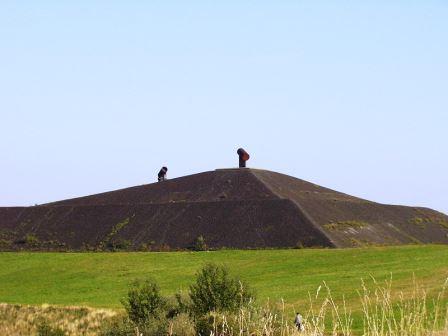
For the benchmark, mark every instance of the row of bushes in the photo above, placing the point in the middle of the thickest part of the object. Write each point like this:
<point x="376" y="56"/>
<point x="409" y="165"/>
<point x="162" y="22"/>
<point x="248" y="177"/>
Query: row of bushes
<point x="148" y="312"/>
<point x="115" y="245"/>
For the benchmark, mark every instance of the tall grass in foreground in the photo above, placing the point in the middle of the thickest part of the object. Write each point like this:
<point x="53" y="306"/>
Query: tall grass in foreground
<point x="411" y="314"/>
<point x="381" y="311"/>
<point x="33" y="320"/>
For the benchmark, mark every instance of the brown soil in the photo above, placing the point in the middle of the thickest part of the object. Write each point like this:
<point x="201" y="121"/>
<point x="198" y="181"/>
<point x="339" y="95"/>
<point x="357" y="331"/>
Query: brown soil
<point x="235" y="208"/>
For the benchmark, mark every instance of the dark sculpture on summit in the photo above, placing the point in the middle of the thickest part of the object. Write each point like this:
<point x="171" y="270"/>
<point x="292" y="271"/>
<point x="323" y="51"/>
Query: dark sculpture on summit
<point x="243" y="157"/>
<point x="162" y="174"/>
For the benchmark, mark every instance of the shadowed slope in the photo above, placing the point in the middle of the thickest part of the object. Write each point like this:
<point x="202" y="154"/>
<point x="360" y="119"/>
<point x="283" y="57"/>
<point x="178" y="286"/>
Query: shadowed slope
<point x="352" y="221"/>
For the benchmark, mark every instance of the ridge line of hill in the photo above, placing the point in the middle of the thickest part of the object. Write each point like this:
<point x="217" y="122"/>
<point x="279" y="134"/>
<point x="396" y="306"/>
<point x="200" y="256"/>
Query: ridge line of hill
<point x="159" y="203"/>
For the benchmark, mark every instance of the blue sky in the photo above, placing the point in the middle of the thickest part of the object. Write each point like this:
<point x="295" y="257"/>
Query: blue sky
<point x="98" y="95"/>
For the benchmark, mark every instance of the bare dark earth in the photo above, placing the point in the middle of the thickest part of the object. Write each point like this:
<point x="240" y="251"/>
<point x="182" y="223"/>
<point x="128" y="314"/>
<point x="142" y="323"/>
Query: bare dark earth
<point x="235" y="208"/>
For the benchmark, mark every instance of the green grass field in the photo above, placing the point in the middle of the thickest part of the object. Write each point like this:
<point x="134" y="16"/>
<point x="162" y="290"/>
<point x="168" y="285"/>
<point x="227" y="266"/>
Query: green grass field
<point x="101" y="279"/>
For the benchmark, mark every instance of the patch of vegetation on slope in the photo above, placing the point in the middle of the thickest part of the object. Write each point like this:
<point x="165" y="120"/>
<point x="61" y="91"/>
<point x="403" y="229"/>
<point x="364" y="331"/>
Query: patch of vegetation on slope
<point x="109" y="243"/>
<point x="345" y="225"/>
<point x="425" y="220"/>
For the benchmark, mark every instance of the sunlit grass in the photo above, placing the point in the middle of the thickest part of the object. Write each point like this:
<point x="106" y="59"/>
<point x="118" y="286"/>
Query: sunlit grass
<point x="101" y="279"/>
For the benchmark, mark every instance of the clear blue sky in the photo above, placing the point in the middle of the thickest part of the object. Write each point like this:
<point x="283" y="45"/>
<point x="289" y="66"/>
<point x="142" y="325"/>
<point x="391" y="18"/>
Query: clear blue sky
<point x="98" y="95"/>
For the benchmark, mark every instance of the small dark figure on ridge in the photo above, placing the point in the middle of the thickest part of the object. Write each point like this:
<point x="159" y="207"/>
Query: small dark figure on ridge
<point x="162" y="174"/>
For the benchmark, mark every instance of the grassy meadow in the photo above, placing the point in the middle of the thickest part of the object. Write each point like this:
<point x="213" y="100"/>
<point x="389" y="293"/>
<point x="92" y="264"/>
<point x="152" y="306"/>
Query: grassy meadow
<point x="284" y="278"/>
<point x="101" y="279"/>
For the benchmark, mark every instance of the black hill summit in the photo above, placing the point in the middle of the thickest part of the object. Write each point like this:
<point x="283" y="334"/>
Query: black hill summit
<point x="233" y="208"/>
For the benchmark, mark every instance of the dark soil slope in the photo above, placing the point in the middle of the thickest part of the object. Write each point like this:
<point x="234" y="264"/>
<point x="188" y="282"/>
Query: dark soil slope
<point x="218" y="185"/>
<point x="236" y="208"/>
<point x="351" y="221"/>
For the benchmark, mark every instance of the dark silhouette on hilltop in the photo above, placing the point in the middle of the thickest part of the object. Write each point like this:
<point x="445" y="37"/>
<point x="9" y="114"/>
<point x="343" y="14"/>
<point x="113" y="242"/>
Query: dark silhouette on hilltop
<point x="161" y="176"/>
